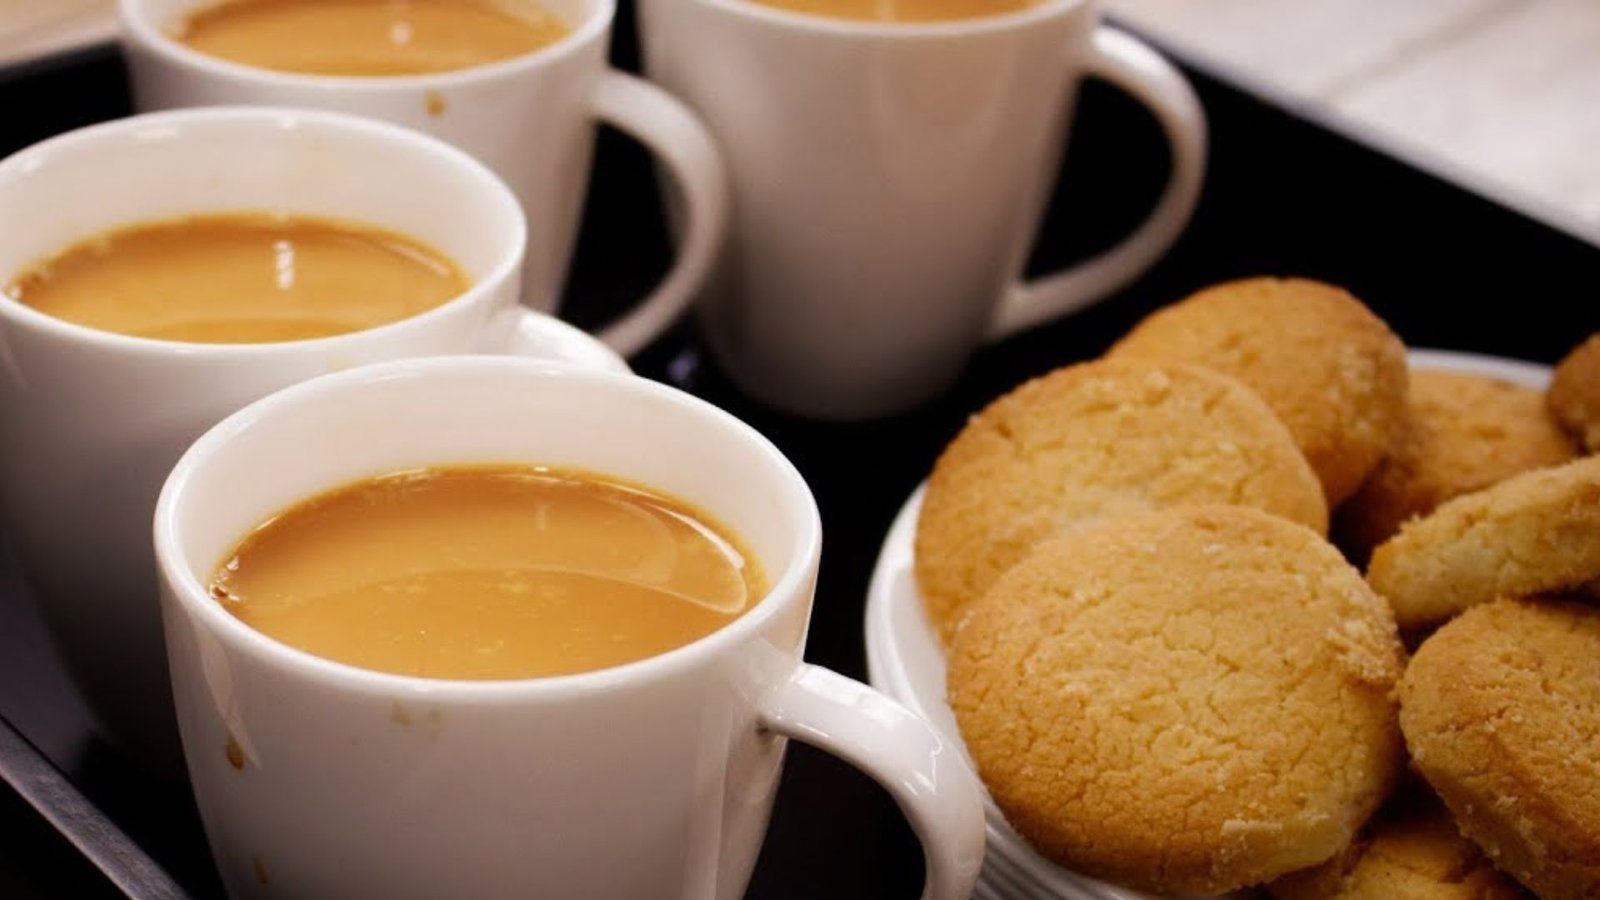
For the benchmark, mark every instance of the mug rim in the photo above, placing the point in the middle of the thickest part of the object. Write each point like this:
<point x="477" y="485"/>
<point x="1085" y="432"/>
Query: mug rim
<point x="21" y="163"/>
<point x="140" y="28"/>
<point x="866" y="29"/>
<point x="176" y="569"/>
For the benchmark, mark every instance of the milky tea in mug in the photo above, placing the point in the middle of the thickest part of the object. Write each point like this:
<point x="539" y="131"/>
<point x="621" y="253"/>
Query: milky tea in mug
<point x="240" y="278"/>
<point x="368" y="37"/>
<point x="488" y="572"/>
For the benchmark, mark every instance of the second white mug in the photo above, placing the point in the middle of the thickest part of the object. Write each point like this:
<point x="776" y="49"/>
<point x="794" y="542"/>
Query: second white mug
<point x="531" y="118"/>
<point x="887" y="182"/>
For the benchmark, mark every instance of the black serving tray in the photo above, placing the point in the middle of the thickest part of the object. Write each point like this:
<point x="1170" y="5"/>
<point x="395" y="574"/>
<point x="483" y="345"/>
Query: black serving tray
<point x="1285" y="194"/>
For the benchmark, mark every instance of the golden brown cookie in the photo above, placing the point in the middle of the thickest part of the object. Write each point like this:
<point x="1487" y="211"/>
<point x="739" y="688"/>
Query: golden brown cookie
<point x="1501" y="712"/>
<point x="1462" y="432"/>
<point x="1093" y="440"/>
<point x="1533" y="533"/>
<point x="1410" y="851"/>
<point x="1328" y="367"/>
<point x="1575" y="393"/>
<point x="1194" y="699"/>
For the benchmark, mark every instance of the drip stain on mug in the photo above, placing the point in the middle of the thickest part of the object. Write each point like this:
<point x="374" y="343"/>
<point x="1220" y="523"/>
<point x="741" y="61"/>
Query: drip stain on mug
<point x="489" y="572"/>
<point x="432" y="720"/>
<point x="234" y="753"/>
<point x="902" y="10"/>
<point x="240" y="278"/>
<point x="368" y="37"/>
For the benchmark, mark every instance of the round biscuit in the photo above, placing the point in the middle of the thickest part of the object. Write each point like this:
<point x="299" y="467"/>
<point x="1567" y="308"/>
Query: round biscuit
<point x="1533" y="533"/>
<point x="1462" y="432"/>
<point x="1501" y="712"/>
<point x="1089" y="441"/>
<point x="1328" y="367"/>
<point x="1411" y="850"/>
<point x="1575" y="393"/>
<point x="1188" y="700"/>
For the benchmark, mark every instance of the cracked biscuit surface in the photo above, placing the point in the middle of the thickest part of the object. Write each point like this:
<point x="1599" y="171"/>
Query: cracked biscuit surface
<point x="1328" y="367"/>
<point x="1501" y="712"/>
<point x="1575" y="393"/>
<point x="1189" y="700"/>
<point x="1532" y="533"/>
<point x="1462" y="432"/>
<point x="1095" y="440"/>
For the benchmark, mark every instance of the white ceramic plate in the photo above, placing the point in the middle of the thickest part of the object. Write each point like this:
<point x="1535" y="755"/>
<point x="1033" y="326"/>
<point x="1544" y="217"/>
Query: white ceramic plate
<point x="905" y="660"/>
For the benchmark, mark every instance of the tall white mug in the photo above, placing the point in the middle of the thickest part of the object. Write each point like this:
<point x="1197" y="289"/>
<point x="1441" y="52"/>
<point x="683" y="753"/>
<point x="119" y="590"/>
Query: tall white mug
<point x="531" y="118"/>
<point x="887" y="182"/>
<point x="652" y="779"/>
<point x="93" y="421"/>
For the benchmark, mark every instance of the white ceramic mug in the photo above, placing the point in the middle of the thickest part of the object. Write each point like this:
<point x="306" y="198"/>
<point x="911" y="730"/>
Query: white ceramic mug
<point x="531" y="118"/>
<point x="887" y="182"/>
<point x="93" y="421"/>
<point x="650" y="779"/>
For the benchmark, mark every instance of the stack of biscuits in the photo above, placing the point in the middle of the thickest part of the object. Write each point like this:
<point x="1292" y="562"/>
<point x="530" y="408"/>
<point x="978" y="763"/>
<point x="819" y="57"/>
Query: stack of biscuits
<point x="1171" y="677"/>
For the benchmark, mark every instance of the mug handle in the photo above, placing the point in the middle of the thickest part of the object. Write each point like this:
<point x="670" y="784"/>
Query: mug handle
<point x="1128" y="63"/>
<point x="922" y="770"/>
<point x="543" y="336"/>
<point x="667" y="127"/>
